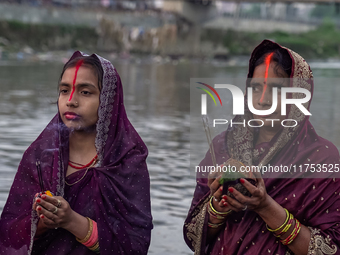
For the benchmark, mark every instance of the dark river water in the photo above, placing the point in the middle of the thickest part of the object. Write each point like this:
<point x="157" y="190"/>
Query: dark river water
<point x="157" y="98"/>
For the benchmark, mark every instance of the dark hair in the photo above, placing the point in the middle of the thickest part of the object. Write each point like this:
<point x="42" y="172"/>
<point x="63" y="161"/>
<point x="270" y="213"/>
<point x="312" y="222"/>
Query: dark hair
<point x="280" y="56"/>
<point x="89" y="61"/>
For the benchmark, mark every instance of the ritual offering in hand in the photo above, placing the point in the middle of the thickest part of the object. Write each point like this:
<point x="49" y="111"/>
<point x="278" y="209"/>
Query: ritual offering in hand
<point x="41" y="183"/>
<point x="233" y="170"/>
<point x="47" y="192"/>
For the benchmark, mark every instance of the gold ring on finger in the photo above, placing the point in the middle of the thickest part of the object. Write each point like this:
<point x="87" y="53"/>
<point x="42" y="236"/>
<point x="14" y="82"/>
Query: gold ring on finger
<point x="55" y="210"/>
<point x="59" y="203"/>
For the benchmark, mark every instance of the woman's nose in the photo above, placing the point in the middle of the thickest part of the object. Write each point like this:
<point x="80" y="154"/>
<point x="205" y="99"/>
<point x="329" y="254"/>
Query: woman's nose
<point x="266" y="98"/>
<point x="72" y="101"/>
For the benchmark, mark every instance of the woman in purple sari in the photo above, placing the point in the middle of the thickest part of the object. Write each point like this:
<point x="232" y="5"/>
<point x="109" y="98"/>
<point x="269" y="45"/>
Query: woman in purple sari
<point x="93" y="161"/>
<point x="283" y="215"/>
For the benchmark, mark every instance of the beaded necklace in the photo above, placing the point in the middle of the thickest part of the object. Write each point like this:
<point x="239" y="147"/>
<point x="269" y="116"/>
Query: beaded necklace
<point x="80" y="166"/>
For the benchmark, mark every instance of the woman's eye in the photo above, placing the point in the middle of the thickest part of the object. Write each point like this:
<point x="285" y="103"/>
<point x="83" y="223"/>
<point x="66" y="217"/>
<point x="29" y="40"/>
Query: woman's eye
<point x="63" y="91"/>
<point x="255" y="88"/>
<point x="86" y="92"/>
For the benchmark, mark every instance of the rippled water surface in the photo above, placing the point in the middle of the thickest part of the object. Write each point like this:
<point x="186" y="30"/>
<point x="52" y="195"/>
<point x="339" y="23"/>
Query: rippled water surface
<point x="157" y="102"/>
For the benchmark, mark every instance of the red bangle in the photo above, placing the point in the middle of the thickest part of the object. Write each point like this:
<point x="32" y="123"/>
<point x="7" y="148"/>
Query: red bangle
<point x="293" y="235"/>
<point x="287" y="227"/>
<point x="94" y="236"/>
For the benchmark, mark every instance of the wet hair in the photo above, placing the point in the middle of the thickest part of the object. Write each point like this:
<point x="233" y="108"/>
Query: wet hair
<point x="88" y="61"/>
<point x="281" y="57"/>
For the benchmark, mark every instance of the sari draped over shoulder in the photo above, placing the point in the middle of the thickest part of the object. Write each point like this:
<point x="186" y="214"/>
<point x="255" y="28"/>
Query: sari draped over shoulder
<point x="315" y="202"/>
<point x="115" y="192"/>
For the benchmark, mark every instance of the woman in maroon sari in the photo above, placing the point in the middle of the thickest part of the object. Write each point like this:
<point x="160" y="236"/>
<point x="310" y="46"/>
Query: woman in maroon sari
<point x="93" y="161"/>
<point x="282" y="216"/>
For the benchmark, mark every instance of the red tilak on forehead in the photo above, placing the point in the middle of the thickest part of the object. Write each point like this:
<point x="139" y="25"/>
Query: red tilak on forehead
<point x="80" y="62"/>
<point x="267" y="63"/>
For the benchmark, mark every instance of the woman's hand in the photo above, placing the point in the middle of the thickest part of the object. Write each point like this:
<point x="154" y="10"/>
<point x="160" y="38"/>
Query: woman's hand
<point x="54" y="212"/>
<point x="219" y="201"/>
<point x="257" y="202"/>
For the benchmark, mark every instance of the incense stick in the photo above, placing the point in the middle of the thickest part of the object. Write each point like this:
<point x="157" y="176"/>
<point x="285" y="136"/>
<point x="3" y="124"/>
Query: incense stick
<point x="208" y="135"/>
<point x="40" y="176"/>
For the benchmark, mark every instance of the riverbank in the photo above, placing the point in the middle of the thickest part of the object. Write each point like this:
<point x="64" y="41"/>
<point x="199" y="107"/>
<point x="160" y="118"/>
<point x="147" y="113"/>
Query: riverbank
<point x="320" y="43"/>
<point x="20" y="40"/>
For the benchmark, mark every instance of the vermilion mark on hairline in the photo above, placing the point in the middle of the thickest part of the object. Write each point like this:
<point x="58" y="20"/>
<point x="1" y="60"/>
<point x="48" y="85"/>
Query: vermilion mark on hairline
<point x="80" y="62"/>
<point x="267" y="63"/>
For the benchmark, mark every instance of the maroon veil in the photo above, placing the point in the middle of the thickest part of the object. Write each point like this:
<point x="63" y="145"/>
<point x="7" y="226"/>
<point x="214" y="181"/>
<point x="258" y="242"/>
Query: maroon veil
<point x="115" y="192"/>
<point x="314" y="202"/>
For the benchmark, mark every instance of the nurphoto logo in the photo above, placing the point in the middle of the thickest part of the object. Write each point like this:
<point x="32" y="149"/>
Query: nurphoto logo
<point x="238" y="98"/>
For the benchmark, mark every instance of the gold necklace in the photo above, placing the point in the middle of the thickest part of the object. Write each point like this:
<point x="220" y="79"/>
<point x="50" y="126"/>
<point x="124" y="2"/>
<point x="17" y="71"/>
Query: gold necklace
<point x="94" y="162"/>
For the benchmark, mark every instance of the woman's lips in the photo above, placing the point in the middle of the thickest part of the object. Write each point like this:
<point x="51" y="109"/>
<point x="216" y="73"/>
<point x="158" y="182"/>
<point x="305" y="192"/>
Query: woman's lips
<point x="71" y="115"/>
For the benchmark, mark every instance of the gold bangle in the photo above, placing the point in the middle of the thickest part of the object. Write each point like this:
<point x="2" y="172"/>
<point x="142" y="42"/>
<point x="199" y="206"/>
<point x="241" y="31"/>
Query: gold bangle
<point x="274" y="230"/>
<point x="95" y="246"/>
<point x="213" y="225"/>
<point x="214" y="215"/>
<point x="217" y="212"/>
<point x="286" y="228"/>
<point x="292" y="235"/>
<point x="87" y="237"/>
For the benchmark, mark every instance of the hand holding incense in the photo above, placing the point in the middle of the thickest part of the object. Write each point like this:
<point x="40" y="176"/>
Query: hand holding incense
<point x="41" y="183"/>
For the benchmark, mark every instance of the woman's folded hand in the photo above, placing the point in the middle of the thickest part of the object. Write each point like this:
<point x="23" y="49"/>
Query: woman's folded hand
<point x="54" y="212"/>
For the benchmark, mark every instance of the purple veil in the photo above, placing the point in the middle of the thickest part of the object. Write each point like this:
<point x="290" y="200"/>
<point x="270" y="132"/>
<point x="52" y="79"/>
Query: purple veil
<point x="115" y="192"/>
<point x="314" y="202"/>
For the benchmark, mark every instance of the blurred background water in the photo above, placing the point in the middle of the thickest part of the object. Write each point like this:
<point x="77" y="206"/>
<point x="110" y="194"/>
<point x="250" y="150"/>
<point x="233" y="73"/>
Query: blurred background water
<point x="157" y="102"/>
<point x="179" y="40"/>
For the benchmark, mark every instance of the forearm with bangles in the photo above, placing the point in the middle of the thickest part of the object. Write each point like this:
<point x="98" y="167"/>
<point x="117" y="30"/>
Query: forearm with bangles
<point x="287" y="232"/>
<point x="282" y="231"/>
<point x="216" y="215"/>
<point x="91" y="239"/>
<point x="216" y="220"/>
<point x="286" y="228"/>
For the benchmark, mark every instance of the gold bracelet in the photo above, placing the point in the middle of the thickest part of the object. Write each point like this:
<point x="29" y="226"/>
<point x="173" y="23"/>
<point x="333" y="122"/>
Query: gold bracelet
<point x="94" y="247"/>
<point x="287" y="218"/>
<point x="217" y="212"/>
<point x="213" y="225"/>
<point x="89" y="233"/>
<point x="287" y="227"/>
<point x="214" y="215"/>
<point x="292" y="235"/>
